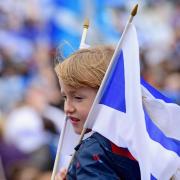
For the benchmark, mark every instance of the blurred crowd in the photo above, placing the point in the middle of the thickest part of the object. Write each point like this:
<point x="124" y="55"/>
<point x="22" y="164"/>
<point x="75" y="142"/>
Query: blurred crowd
<point x="33" y="32"/>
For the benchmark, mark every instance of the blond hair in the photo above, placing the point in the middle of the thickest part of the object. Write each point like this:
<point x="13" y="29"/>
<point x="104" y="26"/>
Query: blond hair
<point x="86" y="67"/>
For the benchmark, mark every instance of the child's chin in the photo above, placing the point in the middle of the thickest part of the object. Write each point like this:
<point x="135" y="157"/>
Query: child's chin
<point x="77" y="131"/>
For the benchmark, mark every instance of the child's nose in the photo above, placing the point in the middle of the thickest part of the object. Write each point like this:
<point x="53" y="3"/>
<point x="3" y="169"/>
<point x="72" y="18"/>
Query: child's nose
<point x="68" y="107"/>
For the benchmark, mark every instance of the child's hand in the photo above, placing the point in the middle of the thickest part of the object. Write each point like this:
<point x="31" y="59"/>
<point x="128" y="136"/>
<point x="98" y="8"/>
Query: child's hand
<point x="61" y="175"/>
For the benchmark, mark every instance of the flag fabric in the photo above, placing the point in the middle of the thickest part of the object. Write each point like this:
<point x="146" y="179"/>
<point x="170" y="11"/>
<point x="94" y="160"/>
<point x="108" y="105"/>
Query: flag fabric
<point x="164" y="113"/>
<point x="119" y="115"/>
<point x="69" y="142"/>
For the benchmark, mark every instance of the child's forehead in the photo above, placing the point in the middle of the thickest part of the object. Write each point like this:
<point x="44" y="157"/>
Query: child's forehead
<point x="73" y="90"/>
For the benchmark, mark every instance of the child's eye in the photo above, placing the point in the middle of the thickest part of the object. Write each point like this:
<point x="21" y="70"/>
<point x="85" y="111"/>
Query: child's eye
<point x="78" y="98"/>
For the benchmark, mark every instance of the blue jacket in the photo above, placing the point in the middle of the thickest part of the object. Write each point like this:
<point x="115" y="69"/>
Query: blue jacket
<point x="98" y="159"/>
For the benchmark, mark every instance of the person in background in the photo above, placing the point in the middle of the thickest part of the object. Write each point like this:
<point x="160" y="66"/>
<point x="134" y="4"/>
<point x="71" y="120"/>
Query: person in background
<point x="34" y="127"/>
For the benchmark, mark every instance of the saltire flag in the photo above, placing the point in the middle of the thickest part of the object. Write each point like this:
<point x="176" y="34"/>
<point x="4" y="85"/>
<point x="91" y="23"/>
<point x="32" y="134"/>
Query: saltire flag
<point x="119" y="115"/>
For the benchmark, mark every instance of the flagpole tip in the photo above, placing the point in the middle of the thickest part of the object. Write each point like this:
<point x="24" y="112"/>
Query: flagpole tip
<point x="86" y="23"/>
<point x="134" y="11"/>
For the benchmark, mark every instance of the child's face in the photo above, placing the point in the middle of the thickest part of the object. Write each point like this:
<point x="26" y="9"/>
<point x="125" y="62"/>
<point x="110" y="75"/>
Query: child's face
<point x="77" y="104"/>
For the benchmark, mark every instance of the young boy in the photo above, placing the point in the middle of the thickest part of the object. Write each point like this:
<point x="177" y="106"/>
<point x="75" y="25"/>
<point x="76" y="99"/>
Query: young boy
<point x="80" y="76"/>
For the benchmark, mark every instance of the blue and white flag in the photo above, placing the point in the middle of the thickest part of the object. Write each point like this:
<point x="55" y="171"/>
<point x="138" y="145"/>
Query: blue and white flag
<point x="118" y="114"/>
<point x="164" y="113"/>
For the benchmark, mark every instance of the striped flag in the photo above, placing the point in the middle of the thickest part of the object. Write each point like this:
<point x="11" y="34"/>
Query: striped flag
<point x="164" y="113"/>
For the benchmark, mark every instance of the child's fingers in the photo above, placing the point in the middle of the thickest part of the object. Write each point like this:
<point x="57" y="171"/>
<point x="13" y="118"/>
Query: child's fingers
<point x="61" y="175"/>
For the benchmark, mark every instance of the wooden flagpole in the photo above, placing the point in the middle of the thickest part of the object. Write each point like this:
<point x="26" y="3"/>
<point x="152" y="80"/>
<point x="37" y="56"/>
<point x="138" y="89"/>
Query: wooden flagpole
<point x="84" y="34"/>
<point x="59" y="149"/>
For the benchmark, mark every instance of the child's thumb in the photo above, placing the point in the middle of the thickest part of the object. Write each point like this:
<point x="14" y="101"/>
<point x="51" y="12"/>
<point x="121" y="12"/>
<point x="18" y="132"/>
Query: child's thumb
<point x="61" y="175"/>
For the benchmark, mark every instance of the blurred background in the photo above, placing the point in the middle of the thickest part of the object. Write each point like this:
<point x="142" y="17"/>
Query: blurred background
<point x="31" y="34"/>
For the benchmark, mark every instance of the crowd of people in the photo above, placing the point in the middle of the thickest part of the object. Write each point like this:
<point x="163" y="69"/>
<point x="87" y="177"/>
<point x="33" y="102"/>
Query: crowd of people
<point x="32" y="32"/>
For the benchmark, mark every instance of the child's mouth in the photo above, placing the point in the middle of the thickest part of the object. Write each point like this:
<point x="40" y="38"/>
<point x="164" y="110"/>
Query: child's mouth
<point x="74" y="121"/>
